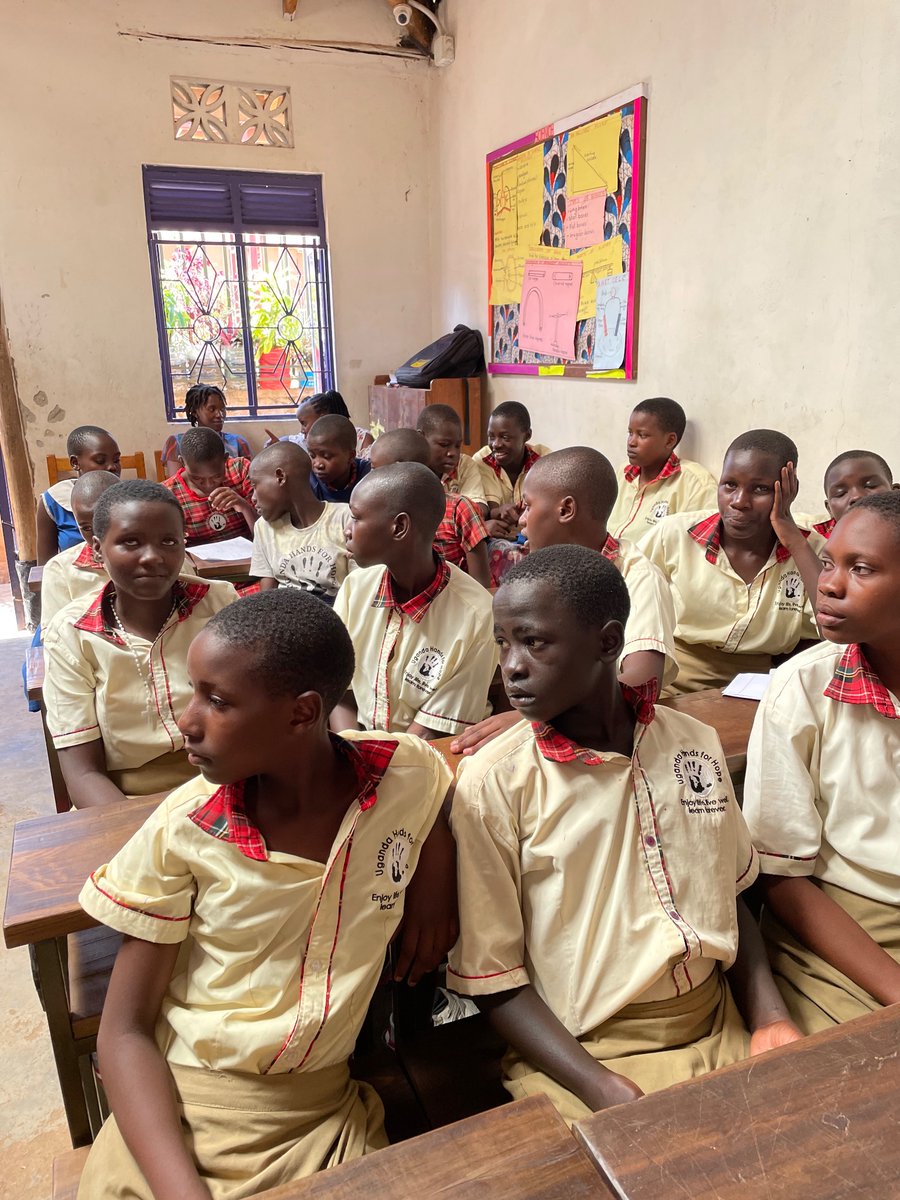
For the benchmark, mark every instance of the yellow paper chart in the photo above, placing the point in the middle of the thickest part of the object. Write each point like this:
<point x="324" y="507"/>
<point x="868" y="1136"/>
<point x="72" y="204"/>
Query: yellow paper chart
<point x="530" y="196"/>
<point x="599" y="261"/>
<point x="592" y="156"/>
<point x="504" y="190"/>
<point x="508" y="270"/>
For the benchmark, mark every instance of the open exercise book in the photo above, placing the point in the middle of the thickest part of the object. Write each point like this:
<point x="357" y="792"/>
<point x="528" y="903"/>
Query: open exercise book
<point x="747" y="687"/>
<point x="230" y="550"/>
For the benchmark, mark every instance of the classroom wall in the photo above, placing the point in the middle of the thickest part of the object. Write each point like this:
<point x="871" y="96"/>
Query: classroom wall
<point x="771" y="248"/>
<point x="90" y="105"/>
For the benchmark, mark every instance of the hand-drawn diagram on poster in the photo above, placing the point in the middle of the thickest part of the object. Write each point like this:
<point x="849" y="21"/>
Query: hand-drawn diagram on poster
<point x="612" y="315"/>
<point x="549" y="306"/>
<point x="593" y="155"/>
<point x="508" y="270"/>
<point x="505" y="210"/>
<point x="597" y="262"/>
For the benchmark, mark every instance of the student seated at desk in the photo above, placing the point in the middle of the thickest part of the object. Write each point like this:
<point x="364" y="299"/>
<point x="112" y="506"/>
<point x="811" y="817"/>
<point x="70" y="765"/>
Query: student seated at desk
<point x="78" y="571"/>
<point x="656" y="482"/>
<point x="441" y="428"/>
<point x="739" y="595"/>
<point x="205" y="407"/>
<point x="601" y="851"/>
<point x="319" y="405"/>
<point x="336" y="469"/>
<point x="822" y="795"/>
<point x="213" y="489"/>
<point x="250" y="889"/>
<point x="566" y="501"/>
<point x="116" y="665"/>
<point x="298" y="540"/>
<point x="421" y="628"/>
<point x="461" y="537"/>
<point x="89" y="448"/>
<point x="507" y="458"/>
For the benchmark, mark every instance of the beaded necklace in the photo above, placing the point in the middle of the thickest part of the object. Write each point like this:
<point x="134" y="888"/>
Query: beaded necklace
<point x="126" y="637"/>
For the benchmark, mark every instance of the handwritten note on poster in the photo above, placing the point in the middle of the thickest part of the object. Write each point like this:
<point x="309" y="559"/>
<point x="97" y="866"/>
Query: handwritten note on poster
<point x="598" y="262"/>
<point x="508" y="270"/>
<point x="530" y="195"/>
<point x="504" y="206"/>
<point x="549" y="304"/>
<point x="592" y="156"/>
<point x="612" y="319"/>
<point x="584" y="219"/>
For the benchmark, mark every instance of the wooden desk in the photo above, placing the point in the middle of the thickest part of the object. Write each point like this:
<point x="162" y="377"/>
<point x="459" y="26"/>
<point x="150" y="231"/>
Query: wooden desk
<point x="732" y="720"/>
<point x="206" y="568"/>
<point x="35" y="575"/>
<point x="816" y="1120"/>
<point x="522" y="1151"/>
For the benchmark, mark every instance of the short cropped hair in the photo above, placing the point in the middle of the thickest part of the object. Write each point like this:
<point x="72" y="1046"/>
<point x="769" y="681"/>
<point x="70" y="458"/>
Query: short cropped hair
<point x="287" y="455"/>
<point x="197" y="396"/>
<point x="131" y="491"/>
<point x="90" y="487"/>
<point x="203" y="445"/>
<point x="848" y="454"/>
<point x="408" y="487"/>
<point x="767" y="441"/>
<point x="591" y="588"/>
<point x="581" y="472"/>
<point x="669" y="414"/>
<point x="403" y="445"/>
<point x="883" y="504"/>
<point x="434" y="415"/>
<point x="290" y="641"/>
<point x="333" y="428"/>
<point x="79" y="439"/>
<point x="323" y="403"/>
<point x="514" y="411"/>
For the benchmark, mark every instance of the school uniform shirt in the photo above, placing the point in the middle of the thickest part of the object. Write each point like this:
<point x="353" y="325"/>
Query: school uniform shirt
<point x="497" y="485"/>
<point x="681" y="486"/>
<point x="203" y="523"/>
<point x="281" y="954"/>
<point x="461" y="530"/>
<point x="313" y="558"/>
<point x="825" y="528"/>
<point x="651" y="619"/>
<point x="360" y="469"/>
<point x="466" y="479"/>
<point x="714" y="606"/>
<point x="68" y="576"/>
<point x="822" y="790"/>
<point x="57" y="502"/>
<point x="93" y="689"/>
<point x="429" y="659"/>
<point x="600" y="879"/>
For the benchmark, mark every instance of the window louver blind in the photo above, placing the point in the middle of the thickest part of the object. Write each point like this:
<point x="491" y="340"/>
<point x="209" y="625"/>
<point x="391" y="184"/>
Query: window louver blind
<point x="238" y="200"/>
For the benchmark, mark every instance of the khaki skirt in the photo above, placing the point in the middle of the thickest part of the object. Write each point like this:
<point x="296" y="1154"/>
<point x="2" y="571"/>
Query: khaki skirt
<point x="161" y="774"/>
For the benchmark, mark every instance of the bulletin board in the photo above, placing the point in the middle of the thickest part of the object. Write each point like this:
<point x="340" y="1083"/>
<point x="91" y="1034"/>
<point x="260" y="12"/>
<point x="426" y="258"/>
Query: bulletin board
<point x="564" y="226"/>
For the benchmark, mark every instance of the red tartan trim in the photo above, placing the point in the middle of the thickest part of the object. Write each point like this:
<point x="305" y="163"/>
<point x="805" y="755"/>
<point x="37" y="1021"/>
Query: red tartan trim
<point x="556" y="747"/>
<point x="87" y="560"/>
<point x="198" y="510"/>
<point x="854" y="682"/>
<point x="708" y="534"/>
<point x="224" y="814"/>
<point x="460" y="530"/>
<point x="672" y="466"/>
<point x="491" y="975"/>
<point x="610" y="549"/>
<point x="825" y="528"/>
<point x="186" y="596"/>
<point x="747" y="868"/>
<point x="418" y="606"/>
<point x="529" y="459"/>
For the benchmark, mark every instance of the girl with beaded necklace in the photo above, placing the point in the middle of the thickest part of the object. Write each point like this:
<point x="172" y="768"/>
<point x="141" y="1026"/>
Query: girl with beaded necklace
<point x="116" y="663"/>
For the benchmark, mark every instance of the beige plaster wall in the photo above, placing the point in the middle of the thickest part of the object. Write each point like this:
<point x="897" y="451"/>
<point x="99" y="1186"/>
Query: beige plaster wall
<point x="85" y="106"/>
<point x="772" y="207"/>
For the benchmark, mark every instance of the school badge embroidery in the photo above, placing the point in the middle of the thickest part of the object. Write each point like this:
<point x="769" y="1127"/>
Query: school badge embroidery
<point x="698" y="774"/>
<point x="217" y="521"/>
<point x="425" y="669"/>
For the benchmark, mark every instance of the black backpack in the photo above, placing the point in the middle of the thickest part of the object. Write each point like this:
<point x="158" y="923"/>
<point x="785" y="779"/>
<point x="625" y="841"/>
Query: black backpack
<point x="456" y="355"/>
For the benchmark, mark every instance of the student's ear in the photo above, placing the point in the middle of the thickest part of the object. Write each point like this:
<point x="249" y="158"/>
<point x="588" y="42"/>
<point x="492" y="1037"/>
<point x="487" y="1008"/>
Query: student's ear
<point x="895" y="487"/>
<point x="280" y="477"/>
<point x="401" y="526"/>
<point x="610" y="641"/>
<point x="308" y="710"/>
<point x="828" y="506"/>
<point x="73" y="463"/>
<point x="527" y="435"/>
<point x="567" y="510"/>
<point x="95" y="546"/>
<point x="671" y="441"/>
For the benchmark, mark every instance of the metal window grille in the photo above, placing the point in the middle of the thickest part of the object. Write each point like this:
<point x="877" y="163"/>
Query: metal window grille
<point x="239" y="268"/>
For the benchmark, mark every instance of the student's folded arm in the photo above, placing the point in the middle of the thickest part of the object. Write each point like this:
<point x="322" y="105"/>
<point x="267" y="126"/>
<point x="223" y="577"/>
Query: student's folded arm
<point x="821" y="924"/>
<point x="479" y="565"/>
<point x="84" y="770"/>
<point x="642" y="666"/>
<point x="523" y="1019"/>
<point x="135" y="1074"/>
<point x="755" y="992"/>
<point x="430" y="923"/>
<point x="344" y="715"/>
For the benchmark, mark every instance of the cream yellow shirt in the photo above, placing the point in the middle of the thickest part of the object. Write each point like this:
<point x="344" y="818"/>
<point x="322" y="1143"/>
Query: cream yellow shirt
<point x="651" y="620"/>
<point x="639" y="509"/>
<point x="280" y="955"/>
<point x="601" y="883"/>
<point x="714" y="606"/>
<point x="68" y="576"/>
<point x="429" y="660"/>
<point x="498" y="488"/>
<point x="822" y="791"/>
<point x="467" y="480"/>
<point x="92" y="688"/>
<point x="314" y="558"/>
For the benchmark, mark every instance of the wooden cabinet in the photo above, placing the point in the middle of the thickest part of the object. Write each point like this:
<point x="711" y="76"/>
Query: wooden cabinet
<point x="397" y="407"/>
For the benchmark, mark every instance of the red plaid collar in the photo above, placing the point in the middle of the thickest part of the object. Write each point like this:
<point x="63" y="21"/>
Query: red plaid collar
<point x="708" y="534"/>
<point x="854" y="682"/>
<point x="556" y="747"/>
<point x="531" y="457"/>
<point x="826" y="528"/>
<point x="87" y="560"/>
<point x="96" y="620"/>
<point x="610" y="549"/>
<point x="235" y="472"/>
<point x="224" y="815"/>
<point x="418" y="606"/>
<point x="672" y="466"/>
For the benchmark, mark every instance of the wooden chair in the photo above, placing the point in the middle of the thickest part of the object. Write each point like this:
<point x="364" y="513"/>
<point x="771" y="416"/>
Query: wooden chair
<point x="67" y="1170"/>
<point x="160" y="466"/>
<point x="59" y="467"/>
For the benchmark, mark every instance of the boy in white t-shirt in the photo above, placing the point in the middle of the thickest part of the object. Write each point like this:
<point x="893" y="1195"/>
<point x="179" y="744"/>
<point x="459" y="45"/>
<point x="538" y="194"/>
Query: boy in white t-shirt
<point x="299" y="540"/>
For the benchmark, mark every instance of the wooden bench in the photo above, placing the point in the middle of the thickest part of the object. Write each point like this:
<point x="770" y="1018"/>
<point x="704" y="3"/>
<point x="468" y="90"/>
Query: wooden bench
<point x="58" y="466"/>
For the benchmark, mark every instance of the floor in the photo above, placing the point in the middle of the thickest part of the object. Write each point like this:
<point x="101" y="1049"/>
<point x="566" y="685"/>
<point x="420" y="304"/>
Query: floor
<point x="32" y="1124"/>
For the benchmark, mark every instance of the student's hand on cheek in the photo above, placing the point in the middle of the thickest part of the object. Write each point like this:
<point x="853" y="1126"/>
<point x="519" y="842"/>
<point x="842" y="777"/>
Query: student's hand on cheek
<point x="224" y="499"/>
<point x="786" y="489"/>
<point x="776" y="1033"/>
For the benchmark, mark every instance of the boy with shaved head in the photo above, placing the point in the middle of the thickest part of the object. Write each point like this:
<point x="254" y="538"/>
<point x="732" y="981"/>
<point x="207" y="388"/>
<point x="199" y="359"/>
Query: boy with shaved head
<point x="421" y="628"/>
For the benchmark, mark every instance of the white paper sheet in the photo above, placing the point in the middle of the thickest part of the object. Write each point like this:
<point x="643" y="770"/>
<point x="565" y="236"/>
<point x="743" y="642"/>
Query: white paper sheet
<point x="747" y="686"/>
<point x="230" y="550"/>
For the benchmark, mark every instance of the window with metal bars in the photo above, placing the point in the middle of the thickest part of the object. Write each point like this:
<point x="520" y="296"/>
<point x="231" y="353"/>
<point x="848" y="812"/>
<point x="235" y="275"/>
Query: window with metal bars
<point x="239" y="266"/>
